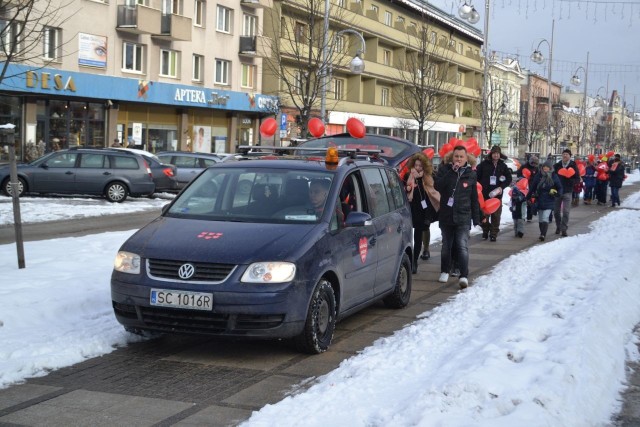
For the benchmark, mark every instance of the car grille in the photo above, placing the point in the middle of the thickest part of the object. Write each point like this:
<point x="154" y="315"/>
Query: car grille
<point x="162" y="269"/>
<point x="189" y="321"/>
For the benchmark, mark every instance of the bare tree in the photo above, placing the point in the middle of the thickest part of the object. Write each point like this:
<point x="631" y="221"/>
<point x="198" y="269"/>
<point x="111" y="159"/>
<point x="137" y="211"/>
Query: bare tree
<point x="533" y="123"/>
<point x="496" y="106"/>
<point x="424" y="76"/>
<point x="302" y="55"/>
<point x="23" y="31"/>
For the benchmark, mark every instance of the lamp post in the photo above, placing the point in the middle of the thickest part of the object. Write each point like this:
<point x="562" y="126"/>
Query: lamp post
<point x="491" y="124"/>
<point x="538" y="58"/>
<point x="575" y="80"/>
<point x="470" y="14"/>
<point x="356" y="66"/>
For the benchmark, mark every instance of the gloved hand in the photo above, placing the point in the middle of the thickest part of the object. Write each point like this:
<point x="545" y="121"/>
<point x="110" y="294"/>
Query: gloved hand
<point x="553" y="192"/>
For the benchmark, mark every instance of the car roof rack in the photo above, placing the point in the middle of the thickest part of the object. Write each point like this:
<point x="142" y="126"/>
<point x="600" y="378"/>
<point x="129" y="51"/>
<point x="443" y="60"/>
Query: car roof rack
<point x="351" y="153"/>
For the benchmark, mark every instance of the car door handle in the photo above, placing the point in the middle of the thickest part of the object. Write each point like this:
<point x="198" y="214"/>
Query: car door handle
<point x="106" y="173"/>
<point x="68" y="173"/>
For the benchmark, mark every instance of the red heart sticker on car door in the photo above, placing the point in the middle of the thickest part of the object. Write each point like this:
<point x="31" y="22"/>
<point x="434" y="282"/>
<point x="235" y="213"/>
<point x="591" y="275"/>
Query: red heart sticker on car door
<point x="363" y="247"/>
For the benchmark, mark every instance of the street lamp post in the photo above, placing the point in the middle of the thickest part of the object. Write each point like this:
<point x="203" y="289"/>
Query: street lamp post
<point x="490" y="124"/>
<point x="538" y="58"/>
<point x="356" y="66"/>
<point x="469" y="13"/>
<point x="575" y="80"/>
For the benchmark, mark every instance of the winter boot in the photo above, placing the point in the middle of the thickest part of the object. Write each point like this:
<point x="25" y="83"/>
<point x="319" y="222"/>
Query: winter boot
<point x="544" y="226"/>
<point x="414" y="265"/>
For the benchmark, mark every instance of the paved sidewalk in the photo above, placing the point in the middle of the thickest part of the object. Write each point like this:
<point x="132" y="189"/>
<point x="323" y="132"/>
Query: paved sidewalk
<point x="190" y="381"/>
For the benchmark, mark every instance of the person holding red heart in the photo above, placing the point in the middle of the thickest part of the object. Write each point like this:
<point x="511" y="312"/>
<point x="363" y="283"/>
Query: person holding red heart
<point x="567" y="171"/>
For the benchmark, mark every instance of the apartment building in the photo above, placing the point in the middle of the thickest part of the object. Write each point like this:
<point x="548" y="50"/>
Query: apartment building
<point x="392" y="32"/>
<point x="151" y="73"/>
<point x="535" y="116"/>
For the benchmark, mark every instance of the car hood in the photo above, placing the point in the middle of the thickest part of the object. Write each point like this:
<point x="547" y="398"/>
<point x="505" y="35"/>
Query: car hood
<point x="218" y="241"/>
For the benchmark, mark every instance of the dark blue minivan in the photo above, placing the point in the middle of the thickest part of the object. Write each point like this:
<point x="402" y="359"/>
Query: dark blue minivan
<point x="273" y="248"/>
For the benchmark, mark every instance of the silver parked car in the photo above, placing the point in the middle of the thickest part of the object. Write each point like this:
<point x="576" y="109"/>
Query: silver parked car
<point x="189" y="164"/>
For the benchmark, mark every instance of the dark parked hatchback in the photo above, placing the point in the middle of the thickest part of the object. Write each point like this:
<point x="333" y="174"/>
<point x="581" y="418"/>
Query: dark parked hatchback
<point x="309" y="244"/>
<point x="188" y="164"/>
<point x="110" y="173"/>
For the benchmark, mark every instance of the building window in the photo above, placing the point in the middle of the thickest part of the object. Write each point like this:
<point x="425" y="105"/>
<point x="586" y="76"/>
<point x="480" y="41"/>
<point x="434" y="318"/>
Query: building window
<point x="386" y="57"/>
<point x="340" y="3"/>
<point x="248" y="76"/>
<point x="10" y="37"/>
<point x="460" y="48"/>
<point x="222" y="72"/>
<point x="197" y="66"/>
<point x="300" y="32"/>
<point x="375" y="9"/>
<point x="388" y="18"/>
<point x="169" y="60"/>
<point x="401" y="19"/>
<point x="224" y="20"/>
<point x="51" y="41"/>
<point x="384" y="96"/>
<point x="433" y="38"/>
<point x="460" y="79"/>
<point x="340" y="44"/>
<point x="338" y="89"/>
<point x="249" y="23"/>
<point x="172" y="7"/>
<point x="199" y="13"/>
<point x="297" y="82"/>
<point x="132" y="57"/>
<point x="458" y="107"/>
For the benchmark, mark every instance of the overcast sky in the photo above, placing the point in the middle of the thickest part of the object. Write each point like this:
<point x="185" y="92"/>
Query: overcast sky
<point x="609" y="31"/>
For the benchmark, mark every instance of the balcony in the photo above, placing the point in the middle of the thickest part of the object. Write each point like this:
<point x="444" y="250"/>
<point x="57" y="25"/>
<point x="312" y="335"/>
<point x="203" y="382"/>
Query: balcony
<point x="138" y="19"/>
<point x="174" y="28"/>
<point x="255" y="46"/>
<point x="257" y="4"/>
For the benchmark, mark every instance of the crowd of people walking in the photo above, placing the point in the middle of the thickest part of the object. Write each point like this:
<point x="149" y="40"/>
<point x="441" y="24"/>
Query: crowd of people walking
<point x="452" y="195"/>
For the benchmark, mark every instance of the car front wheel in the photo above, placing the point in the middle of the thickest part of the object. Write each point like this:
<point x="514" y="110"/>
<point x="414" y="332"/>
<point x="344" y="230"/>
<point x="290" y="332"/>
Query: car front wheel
<point x="116" y="192"/>
<point x="401" y="294"/>
<point x="6" y="187"/>
<point x="321" y="320"/>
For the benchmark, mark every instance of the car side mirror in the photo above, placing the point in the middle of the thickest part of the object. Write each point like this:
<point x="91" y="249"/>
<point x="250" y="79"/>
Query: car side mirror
<point x="165" y="208"/>
<point x="358" y="219"/>
<point x="44" y="166"/>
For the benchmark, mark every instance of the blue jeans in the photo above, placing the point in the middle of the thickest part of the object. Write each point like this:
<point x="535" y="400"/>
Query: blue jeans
<point x="615" y="195"/>
<point x="460" y="235"/>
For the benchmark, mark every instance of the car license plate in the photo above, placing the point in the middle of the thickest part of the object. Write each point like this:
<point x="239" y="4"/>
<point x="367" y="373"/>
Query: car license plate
<point x="181" y="299"/>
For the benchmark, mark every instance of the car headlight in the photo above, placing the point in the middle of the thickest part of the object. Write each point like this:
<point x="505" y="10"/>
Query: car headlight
<point x="269" y="272"/>
<point x="126" y="262"/>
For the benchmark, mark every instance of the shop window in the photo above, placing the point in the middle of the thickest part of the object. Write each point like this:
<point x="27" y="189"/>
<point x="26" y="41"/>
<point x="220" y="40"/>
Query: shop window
<point x="224" y="20"/>
<point x="222" y="72"/>
<point x="169" y="60"/>
<point x="51" y="38"/>
<point x="132" y="57"/>
<point x="197" y="66"/>
<point x="248" y="76"/>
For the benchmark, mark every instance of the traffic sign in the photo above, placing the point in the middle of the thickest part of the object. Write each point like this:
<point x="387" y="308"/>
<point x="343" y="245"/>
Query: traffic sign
<point x="283" y="121"/>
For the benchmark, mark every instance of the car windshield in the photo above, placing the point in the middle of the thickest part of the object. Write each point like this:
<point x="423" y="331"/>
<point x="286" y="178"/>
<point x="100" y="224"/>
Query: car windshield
<point x="392" y="148"/>
<point x="267" y="195"/>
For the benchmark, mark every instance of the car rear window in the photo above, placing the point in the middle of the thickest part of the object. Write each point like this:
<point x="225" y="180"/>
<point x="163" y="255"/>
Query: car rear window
<point x="122" y="162"/>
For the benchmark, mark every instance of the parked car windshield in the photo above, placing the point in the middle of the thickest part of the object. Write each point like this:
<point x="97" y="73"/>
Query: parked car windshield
<point x="255" y="195"/>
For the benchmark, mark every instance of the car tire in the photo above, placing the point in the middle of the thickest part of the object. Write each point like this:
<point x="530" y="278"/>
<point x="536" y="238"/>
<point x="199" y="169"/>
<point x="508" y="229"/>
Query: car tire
<point x="22" y="185"/>
<point x="116" y="192"/>
<point x="321" y="320"/>
<point x="401" y="294"/>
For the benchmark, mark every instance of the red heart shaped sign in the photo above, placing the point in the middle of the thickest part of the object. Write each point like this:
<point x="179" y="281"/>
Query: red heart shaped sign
<point x="566" y="172"/>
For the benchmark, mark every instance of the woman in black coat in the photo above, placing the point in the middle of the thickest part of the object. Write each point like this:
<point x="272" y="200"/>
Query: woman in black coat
<point x="545" y="189"/>
<point x="616" y="176"/>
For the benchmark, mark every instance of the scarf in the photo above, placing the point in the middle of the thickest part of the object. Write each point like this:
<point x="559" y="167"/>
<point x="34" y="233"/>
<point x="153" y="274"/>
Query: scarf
<point x="432" y="194"/>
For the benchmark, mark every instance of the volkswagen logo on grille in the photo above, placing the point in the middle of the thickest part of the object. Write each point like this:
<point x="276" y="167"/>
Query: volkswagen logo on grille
<point x="186" y="271"/>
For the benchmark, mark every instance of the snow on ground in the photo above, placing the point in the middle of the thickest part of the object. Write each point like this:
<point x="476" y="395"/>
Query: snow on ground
<point x="543" y="337"/>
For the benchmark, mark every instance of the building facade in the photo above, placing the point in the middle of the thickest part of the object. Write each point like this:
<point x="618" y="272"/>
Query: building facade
<point x="158" y="75"/>
<point x="536" y="120"/>
<point x="503" y="109"/>
<point x="395" y="34"/>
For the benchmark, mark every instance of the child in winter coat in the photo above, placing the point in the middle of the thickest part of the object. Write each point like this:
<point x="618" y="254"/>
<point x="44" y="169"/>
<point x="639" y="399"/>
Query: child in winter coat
<point x="518" y="208"/>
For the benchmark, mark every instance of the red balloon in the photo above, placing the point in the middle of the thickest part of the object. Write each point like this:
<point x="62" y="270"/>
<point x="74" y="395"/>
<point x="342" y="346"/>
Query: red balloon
<point x="402" y="167"/>
<point x="610" y="153"/>
<point x="268" y="127"/>
<point x="454" y="141"/>
<point x="523" y="184"/>
<point x="479" y="187"/>
<point x="491" y="205"/>
<point x="526" y="173"/>
<point x="473" y="141"/>
<point x="603" y="167"/>
<point x="316" y="127"/>
<point x="591" y="158"/>
<point x="566" y="172"/>
<point x="476" y="150"/>
<point x="445" y="149"/>
<point x="429" y="152"/>
<point x="582" y="169"/>
<point x="355" y="128"/>
<point x="480" y="196"/>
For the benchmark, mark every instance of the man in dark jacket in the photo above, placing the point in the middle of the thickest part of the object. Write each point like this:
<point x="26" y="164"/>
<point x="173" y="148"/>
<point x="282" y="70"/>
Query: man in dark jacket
<point x="532" y="167"/>
<point x="459" y="207"/>
<point x="569" y="175"/>
<point x="494" y="175"/>
<point x="616" y="176"/>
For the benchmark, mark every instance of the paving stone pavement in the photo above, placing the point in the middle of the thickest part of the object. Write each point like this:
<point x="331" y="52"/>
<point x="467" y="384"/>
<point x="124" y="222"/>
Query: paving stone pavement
<point x="195" y="381"/>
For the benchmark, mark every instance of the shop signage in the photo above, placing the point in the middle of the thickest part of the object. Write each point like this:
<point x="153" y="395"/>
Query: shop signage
<point x="47" y="81"/>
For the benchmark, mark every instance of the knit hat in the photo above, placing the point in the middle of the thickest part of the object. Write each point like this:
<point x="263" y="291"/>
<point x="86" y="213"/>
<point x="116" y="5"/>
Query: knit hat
<point x="548" y="164"/>
<point x="534" y="161"/>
